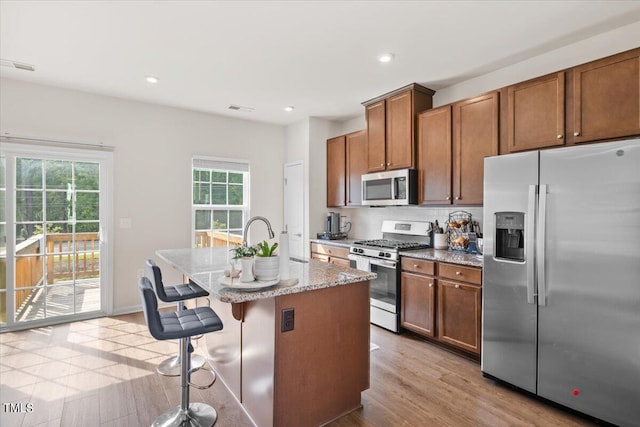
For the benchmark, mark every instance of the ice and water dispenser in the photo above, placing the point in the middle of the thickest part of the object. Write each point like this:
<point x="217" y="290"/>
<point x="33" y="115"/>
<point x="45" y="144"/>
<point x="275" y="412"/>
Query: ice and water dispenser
<point x="510" y="236"/>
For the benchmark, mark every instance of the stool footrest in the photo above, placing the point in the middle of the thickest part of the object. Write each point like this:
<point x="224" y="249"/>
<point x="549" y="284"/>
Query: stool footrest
<point x="171" y="367"/>
<point x="205" y="386"/>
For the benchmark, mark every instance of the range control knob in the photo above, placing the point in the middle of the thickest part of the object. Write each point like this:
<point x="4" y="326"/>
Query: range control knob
<point x="361" y="251"/>
<point x="381" y="254"/>
<point x="388" y="255"/>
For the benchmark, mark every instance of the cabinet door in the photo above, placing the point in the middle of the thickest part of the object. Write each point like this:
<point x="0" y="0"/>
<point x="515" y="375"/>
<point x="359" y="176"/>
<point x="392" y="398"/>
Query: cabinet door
<point x="434" y="156"/>
<point x="475" y="137"/>
<point x="459" y="315"/>
<point x="336" y="175"/>
<point x="417" y="308"/>
<point x="399" y="146"/>
<point x="536" y="113"/>
<point x="606" y="98"/>
<point x="356" y="165"/>
<point x="376" y="136"/>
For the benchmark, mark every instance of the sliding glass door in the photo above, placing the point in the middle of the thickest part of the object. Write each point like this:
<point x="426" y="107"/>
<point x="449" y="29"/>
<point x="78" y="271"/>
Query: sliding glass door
<point x="53" y="242"/>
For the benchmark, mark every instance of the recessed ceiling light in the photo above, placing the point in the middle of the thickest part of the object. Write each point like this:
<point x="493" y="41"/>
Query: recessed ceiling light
<point x="152" y="79"/>
<point x="289" y="109"/>
<point x="385" y="57"/>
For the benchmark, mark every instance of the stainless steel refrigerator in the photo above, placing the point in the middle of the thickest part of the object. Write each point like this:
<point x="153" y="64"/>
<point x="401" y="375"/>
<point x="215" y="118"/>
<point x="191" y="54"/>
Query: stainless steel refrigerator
<point x="561" y="287"/>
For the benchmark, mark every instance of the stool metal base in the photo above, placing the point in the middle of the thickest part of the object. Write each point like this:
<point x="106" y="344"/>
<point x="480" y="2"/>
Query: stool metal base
<point x="198" y="415"/>
<point x="171" y="366"/>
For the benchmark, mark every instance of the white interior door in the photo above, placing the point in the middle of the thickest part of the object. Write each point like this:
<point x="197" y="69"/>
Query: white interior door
<point x="294" y="207"/>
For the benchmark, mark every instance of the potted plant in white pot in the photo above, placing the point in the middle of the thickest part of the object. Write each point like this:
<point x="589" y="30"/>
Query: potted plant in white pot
<point x="245" y="254"/>
<point x="266" y="263"/>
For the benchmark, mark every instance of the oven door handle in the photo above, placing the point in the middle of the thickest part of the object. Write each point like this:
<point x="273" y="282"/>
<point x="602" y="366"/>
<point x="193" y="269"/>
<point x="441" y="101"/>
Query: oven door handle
<point x="383" y="263"/>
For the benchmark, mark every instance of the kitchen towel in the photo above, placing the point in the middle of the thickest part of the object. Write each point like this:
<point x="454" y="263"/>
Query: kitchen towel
<point x="363" y="263"/>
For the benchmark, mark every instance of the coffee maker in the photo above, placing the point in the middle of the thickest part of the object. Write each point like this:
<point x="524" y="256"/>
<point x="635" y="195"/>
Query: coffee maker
<point x="333" y="228"/>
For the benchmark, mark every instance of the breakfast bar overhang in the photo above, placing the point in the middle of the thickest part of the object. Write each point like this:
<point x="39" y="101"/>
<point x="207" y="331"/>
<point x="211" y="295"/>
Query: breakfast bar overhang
<point x="309" y="375"/>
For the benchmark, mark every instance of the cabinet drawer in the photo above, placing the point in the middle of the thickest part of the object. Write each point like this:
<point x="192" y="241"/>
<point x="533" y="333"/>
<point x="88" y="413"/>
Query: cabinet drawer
<point x="340" y="261"/>
<point x="457" y="272"/>
<point x="418" y="265"/>
<point x="330" y="250"/>
<point x="323" y="258"/>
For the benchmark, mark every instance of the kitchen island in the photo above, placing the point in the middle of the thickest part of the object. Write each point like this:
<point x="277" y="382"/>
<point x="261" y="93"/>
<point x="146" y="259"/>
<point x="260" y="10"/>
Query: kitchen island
<point x="308" y="375"/>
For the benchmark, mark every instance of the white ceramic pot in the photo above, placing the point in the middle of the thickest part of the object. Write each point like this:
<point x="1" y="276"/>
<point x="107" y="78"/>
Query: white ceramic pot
<point x="266" y="268"/>
<point x="246" y="265"/>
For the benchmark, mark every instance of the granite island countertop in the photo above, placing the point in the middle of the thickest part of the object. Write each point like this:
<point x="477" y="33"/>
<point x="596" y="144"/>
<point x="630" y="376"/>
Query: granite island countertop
<point x="449" y="256"/>
<point x="205" y="266"/>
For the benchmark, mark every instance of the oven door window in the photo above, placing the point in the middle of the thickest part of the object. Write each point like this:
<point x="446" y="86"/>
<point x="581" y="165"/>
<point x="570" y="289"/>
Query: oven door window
<point x="378" y="189"/>
<point x="384" y="288"/>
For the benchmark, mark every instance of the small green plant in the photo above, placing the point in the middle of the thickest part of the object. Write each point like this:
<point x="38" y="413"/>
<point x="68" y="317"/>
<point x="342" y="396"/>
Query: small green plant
<point x="264" y="250"/>
<point x="243" y="252"/>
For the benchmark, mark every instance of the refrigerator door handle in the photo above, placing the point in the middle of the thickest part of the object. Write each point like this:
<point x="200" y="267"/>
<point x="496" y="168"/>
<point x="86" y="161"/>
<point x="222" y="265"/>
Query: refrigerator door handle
<point x="530" y="255"/>
<point x="541" y="239"/>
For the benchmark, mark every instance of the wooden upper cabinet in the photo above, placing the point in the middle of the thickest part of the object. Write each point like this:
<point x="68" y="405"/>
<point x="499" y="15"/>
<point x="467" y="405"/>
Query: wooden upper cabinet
<point x="475" y="136"/>
<point x="606" y="98"/>
<point x="391" y="127"/>
<point x="535" y="117"/>
<point x="336" y="171"/>
<point x="434" y="155"/>
<point x="399" y="148"/>
<point x="376" y="136"/>
<point x="356" y="146"/>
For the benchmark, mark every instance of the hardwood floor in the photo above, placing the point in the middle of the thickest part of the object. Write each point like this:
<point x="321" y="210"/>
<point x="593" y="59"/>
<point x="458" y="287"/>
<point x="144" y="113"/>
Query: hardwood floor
<point x="101" y="372"/>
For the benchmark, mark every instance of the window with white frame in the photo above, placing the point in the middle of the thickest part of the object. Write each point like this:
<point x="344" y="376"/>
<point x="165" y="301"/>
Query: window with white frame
<point x="220" y="201"/>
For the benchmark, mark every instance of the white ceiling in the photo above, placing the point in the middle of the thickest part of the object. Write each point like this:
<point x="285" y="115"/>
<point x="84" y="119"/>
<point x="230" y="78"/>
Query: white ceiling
<point x="317" y="56"/>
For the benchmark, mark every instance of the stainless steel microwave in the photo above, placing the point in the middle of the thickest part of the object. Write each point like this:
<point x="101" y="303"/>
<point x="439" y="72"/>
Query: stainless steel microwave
<point x="390" y="188"/>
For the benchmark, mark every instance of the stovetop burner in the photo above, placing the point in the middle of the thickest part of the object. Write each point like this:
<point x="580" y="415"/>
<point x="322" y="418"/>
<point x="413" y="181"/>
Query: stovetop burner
<point x="391" y="244"/>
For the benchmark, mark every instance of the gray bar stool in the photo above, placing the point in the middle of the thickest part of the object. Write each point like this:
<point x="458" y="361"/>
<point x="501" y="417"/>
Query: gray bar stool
<point x="180" y="325"/>
<point x="177" y="294"/>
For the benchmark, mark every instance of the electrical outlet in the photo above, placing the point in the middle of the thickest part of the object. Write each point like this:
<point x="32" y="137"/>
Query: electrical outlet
<point x="287" y="319"/>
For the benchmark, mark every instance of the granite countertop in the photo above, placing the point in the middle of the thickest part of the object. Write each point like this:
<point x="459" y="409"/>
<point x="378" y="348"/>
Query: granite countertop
<point x="453" y="257"/>
<point x="205" y="266"/>
<point x="342" y="242"/>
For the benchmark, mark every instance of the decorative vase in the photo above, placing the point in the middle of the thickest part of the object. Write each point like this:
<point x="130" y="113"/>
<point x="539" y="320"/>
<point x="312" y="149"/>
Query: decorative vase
<point x="246" y="274"/>
<point x="266" y="268"/>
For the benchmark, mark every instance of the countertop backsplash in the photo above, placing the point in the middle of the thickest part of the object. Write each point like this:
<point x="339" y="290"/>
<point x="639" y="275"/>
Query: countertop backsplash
<point x="367" y="221"/>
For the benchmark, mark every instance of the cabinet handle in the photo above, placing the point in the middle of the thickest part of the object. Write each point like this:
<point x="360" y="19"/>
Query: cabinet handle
<point x="381" y="164"/>
<point x="431" y="285"/>
<point x="415" y="266"/>
<point x="388" y="163"/>
<point x="458" y="273"/>
<point x="448" y="197"/>
<point x="559" y="136"/>
<point x="576" y="134"/>
<point x="457" y="286"/>
<point x="457" y="197"/>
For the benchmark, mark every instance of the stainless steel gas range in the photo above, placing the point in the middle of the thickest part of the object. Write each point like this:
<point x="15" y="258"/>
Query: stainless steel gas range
<point x="381" y="256"/>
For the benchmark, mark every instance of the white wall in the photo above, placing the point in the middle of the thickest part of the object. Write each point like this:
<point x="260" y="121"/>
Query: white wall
<point x="152" y="164"/>
<point x="605" y="44"/>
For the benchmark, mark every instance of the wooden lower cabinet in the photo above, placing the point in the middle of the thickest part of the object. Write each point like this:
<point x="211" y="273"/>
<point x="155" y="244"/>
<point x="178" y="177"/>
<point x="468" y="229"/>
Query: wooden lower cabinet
<point x="459" y="315"/>
<point x="418" y="305"/>
<point x="332" y="254"/>
<point x="435" y="305"/>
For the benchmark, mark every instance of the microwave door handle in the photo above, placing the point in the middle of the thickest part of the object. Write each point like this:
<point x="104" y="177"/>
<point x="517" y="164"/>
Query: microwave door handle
<point x="394" y="188"/>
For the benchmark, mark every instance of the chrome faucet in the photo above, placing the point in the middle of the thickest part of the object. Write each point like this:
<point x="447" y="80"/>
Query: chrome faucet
<point x="246" y="228"/>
